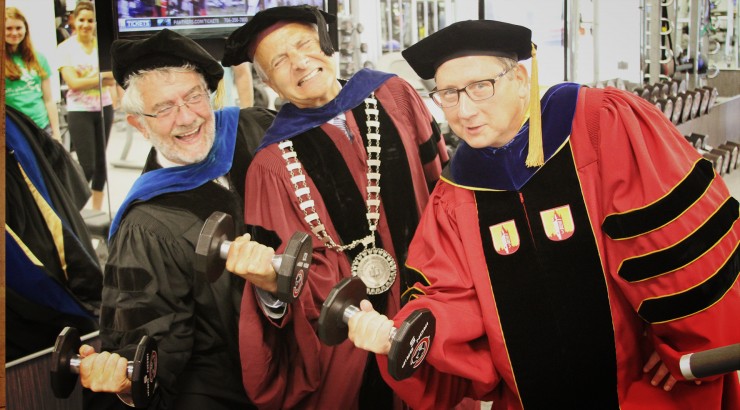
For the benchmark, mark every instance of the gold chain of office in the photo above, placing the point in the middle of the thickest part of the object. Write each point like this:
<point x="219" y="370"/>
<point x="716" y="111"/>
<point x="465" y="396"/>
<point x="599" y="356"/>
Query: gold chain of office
<point x="375" y="266"/>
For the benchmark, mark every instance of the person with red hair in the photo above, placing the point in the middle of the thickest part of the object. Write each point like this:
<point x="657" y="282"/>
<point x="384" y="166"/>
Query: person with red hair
<point x="27" y="73"/>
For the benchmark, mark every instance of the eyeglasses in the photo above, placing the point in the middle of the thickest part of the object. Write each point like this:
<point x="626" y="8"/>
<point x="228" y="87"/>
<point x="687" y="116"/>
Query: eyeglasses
<point x="477" y="91"/>
<point x="168" y="111"/>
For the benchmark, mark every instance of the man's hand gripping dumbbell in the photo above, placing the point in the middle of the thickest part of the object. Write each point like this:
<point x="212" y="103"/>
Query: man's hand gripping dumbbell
<point x="345" y="313"/>
<point x="284" y="275"/>
<point x="134" y="381"/>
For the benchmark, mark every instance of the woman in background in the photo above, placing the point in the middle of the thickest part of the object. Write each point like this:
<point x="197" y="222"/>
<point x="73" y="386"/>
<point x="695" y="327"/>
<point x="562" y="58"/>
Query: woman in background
<point x="78" y="63"/>
<point x="27" y="73"/>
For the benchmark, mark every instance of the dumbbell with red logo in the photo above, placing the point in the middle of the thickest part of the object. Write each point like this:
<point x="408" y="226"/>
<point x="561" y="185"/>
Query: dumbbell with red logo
<point x="410" y="342"/>
<point x="291" y="267"/>
<point x="65" y="367"/>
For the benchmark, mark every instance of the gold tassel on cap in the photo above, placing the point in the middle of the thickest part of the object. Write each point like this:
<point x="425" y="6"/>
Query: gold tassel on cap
<point x="219" y="96"/>
<point x="536" y="155"/>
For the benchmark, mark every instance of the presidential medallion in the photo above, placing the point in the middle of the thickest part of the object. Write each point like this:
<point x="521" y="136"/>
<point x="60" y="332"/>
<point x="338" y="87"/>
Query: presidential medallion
<point x="376" y="268"/>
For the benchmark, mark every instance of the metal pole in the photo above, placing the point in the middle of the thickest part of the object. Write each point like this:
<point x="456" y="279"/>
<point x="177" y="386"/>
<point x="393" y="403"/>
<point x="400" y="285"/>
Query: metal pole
<point x="435" y="15"/>
<point x="389" y="24"/>
<point x="654" y="30"/>
<point x="426" y="18"/>
<point x="570" y="42"/>
<point x="414" y="22"/>
<point x="694" y="29"/>
<point x="401" y="25"/>
<point x="597" y="40"/>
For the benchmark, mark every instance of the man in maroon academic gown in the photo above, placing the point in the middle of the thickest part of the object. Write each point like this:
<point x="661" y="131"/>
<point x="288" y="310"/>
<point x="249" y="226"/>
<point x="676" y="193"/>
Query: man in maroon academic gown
<point x="566" y="278"/>
<point x="319" y="169"/>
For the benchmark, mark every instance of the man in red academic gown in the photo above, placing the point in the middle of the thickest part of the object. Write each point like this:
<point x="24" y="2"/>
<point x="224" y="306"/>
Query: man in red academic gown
<point x="320" y="169"/>
<point x="640" y="268"/>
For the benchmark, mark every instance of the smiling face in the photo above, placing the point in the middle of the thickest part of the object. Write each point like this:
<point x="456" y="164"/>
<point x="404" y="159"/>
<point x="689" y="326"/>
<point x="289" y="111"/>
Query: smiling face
<point x="492" y="122"/>
<point x="186" y="134"/>
<point x="85" y="24"/>
<point x="15" y="32"/>
<point x="296" y="68"/>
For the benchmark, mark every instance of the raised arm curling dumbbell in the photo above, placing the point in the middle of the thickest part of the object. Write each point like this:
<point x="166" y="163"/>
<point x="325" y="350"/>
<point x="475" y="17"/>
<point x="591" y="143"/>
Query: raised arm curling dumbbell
<point x="65" y="367"/>
<point x="410" y="343"/>
<point x="291" y="267"/>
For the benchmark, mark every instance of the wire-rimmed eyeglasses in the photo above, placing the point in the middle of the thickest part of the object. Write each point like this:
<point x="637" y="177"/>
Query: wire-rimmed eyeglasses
<point x="168" y="110"/>
<point x="477" y="91"/>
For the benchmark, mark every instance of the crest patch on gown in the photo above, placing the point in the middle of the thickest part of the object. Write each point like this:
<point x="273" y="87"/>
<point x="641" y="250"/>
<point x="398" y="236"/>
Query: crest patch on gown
<point x="558" y="223"/>
<point x="505" y="237"/>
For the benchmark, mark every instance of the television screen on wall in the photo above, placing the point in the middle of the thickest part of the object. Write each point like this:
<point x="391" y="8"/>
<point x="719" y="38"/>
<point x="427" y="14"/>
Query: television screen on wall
<point x="208" y="22"/>
<point x="195" y="18"/>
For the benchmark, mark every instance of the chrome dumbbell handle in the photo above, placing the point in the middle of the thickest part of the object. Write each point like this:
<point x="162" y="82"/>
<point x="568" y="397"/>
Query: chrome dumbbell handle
<point x="76" y="360"/>
<point x="350" y="311"/>
<point x="223" y="252"/>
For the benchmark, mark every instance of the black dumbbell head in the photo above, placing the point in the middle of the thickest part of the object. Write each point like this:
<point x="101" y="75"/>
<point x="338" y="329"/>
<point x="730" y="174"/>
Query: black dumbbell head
<point x="696" y="104"/>
<point x="665" y="90"/>
<point x="677" y="109"/>
<point x="67" y="346"/>
<point x="411" y="344"/>
<point x="673" y="88"/>
<point x="688" y="103"/>
<point x="218" y="227"/>
<point x="348" y="292"/>
<point x="144" y="375"/>
<point x="646" y="92"/>
<point x="705" y="95"/>
<point x="293" y="272"/>
<point x="666" y="106"/>
<point x="713" y="94"/>
<point x="733" y="154"/>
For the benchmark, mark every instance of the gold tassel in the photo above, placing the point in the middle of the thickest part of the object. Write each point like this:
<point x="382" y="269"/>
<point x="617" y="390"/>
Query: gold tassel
<point x="220" y="95"/>
<point x="535" y="155"/>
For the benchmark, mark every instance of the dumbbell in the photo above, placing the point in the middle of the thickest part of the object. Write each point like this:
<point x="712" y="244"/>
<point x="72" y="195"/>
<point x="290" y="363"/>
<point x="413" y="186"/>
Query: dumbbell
<point x="665" y="89"/>
<point x="65" y="366"/>
<point x="713" y="95"/>
<point x="291" y="267"/>
<point x="683" y="85"/>
<point x="705" y="95"/>
<point x="695" y="107"/>
<point x="688" y="103"/>
<point x="677" y="109"/>
<point x="672" y="88"/>
<point x="726" y="158"/>
<point x="734" y="151"/>
<point x="656" y="90"/>
<point x="666" y="106"/>
<point x="716" y="161"/>
<point x="410" y="343"/>
<point x="710" y="362"/>
<point x="697" y="140"/>
<point x="643" y="92"/>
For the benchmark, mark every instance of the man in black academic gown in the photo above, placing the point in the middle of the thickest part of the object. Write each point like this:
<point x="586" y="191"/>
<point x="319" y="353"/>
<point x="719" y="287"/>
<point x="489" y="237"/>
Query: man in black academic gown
<point x="197" y="166"/>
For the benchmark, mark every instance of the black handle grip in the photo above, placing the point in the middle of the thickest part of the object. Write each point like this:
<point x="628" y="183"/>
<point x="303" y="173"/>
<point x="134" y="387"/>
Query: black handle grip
<point x="710" y="362"/>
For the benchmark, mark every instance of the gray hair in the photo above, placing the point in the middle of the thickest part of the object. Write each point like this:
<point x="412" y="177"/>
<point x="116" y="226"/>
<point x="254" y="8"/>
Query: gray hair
<point x="260" y="72"/>
<point x="508" y="63"/>
<point x="132" y="101"/>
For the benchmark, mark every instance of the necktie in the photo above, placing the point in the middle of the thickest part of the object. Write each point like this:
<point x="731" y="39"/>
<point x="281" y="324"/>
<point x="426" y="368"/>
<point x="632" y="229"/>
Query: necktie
<point x="340" y="122"/>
